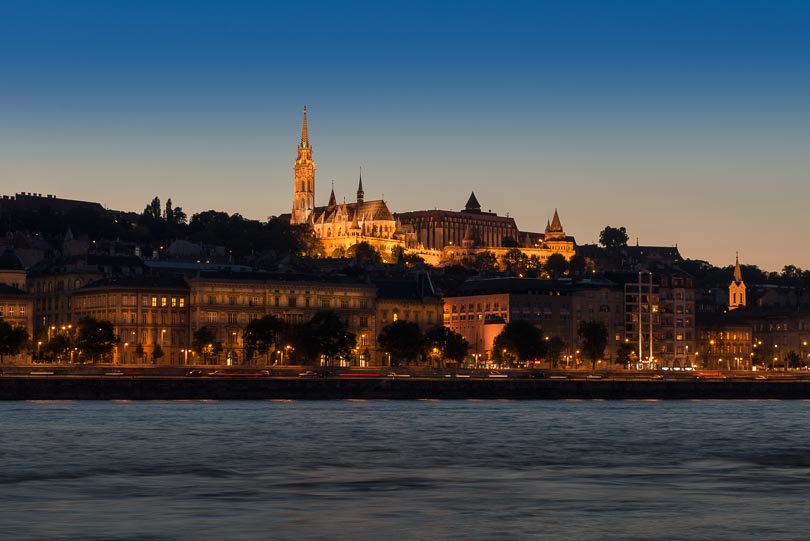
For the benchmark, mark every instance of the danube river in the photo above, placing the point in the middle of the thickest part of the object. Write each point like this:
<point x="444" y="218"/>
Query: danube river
<point x="567" y="470"/>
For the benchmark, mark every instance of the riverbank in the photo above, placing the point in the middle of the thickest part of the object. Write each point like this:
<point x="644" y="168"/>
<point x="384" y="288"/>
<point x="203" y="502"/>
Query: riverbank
<point x="185" y="388"/>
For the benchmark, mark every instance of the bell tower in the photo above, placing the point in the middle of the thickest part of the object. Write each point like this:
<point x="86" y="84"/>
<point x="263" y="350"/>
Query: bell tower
<point x="736" y="289"/>
<point x="304" y="197"/>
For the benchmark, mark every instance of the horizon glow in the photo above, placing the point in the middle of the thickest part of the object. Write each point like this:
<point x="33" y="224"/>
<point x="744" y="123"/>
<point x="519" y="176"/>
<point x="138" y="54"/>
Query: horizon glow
<point x="687" y="124"/>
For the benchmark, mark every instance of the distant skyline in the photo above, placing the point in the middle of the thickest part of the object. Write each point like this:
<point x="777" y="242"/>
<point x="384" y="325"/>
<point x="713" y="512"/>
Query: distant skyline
<point x="685" y="122"/>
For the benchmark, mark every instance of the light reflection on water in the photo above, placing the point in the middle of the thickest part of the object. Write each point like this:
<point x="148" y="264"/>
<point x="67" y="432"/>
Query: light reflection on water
<point x="588" y="470"/>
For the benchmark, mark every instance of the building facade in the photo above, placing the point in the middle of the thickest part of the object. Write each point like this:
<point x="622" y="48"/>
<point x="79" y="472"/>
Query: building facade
<point x="481" y="308"/>
<point x="446" y="237"/>
<point x="339" y="226"/>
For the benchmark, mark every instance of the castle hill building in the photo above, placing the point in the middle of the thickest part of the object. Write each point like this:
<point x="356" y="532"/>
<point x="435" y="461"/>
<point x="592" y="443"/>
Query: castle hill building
<point x="446" y="236"/>
<point x="438" y="236"/>
<point x="480" y="309"/>
<point x="339" y="226"/>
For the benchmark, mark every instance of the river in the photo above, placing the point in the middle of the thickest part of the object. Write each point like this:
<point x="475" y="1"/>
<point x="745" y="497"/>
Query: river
<point x="370" y="470"/>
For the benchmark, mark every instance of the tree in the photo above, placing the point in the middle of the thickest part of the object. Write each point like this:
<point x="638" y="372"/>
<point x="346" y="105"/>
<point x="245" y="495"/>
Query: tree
<point x="205" y="344"/>
<point x="328" y="335"/>
<point x="153" y="209"/>
<point x="613" y="238"/>
<point x="515" y="262"/>
<point x="95" y="338"/>
<point x="402" y="341"/>
<point x="448" y="344"/>
<point x="792" y="360"/>
<point x="364" y="254"/>
<point x="484" y="262"/>
<point x="577" y="265"/>
<point x="556" y="265"/>
<point x="519" y="340"/>
<point x="262" y="336"/>
<point x="625" y="354"/>
<point x="13" y="340"/>
<point x="168" y="214"/>
<point x="554" y="349"/>
<point x="594" y="340"/>
<point x="157" y="354"/>
<point x="59" y="345"/>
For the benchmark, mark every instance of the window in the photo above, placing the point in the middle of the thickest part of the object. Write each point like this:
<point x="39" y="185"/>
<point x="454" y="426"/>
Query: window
<point x="182" y="302"/>
<point x="231" y="317"/>
<point x="232" y="300"/>
<point x="163" y="302"/>
<point x="174" y="302"/>
<point x="154" y="302"/>
<point x="364" y="303"/>
<point x="212" y="317"/>
<point x="396" y="317"/>
<point x="364" y="321"/>
<point x="22" y="311"/>
<point x="292" y="302"/>
<point x="212" y="299"/>
<point x="325" y="302"/>
<point x="344" y="303"/>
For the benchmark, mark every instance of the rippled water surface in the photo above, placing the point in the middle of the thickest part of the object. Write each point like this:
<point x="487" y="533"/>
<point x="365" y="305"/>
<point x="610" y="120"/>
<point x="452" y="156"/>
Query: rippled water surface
<point x="404" y="470"/>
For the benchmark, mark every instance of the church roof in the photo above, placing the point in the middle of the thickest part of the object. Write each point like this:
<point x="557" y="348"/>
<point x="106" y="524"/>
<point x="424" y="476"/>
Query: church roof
<point x="375" y="210"/>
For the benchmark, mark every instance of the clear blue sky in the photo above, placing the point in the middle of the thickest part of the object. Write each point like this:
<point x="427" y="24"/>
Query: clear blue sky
<point x="686" y="121"/>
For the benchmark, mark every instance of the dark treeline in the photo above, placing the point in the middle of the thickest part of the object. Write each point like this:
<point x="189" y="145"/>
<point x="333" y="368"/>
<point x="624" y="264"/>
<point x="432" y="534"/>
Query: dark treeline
<point x="157" y="226"/>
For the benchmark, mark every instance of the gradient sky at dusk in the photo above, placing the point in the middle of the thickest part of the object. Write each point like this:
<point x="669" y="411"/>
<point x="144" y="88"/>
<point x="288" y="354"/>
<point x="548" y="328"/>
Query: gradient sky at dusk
<point x="687" y="122"/>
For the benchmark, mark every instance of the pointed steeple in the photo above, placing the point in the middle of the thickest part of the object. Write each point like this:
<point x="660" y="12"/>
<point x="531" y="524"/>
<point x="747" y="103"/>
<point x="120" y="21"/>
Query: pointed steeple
<point x="737" y="270"/>
<point x="555" y="222"/>
<point x="304" y="130"/>
<point x="360" y="193"/>
<point x="332" y="200"/>
<point x="472" y="204"/>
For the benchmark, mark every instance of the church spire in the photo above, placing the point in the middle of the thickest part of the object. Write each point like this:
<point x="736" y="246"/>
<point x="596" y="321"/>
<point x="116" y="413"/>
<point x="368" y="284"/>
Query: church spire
<point x="332" y="200"/>
<point x="737" y="270"/>
<point x="360" y="192"/>
<point x="304" y="130"/>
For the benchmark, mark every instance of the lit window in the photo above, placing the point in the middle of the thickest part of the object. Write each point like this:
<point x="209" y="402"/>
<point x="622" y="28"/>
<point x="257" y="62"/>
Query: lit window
<point x="154" y="302"/>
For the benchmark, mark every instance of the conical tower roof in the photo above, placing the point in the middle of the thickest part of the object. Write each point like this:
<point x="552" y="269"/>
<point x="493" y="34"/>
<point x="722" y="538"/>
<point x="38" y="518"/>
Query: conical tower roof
<point x="472" y="203"/>
<point x="556" y="225"/>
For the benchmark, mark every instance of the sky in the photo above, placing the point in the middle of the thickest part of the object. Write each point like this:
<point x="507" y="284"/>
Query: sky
<point x="687" y="122"/>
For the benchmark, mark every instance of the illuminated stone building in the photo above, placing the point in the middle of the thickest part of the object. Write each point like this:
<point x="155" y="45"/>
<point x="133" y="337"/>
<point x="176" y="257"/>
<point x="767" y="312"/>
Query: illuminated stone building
<point x="227" y="302"/>
<point x="445" y="236"/>
<point x="339" y="226"/>
<point x="724" y="341"/>
<point x="53" y="284"/>
<point x="150" y="311"/>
